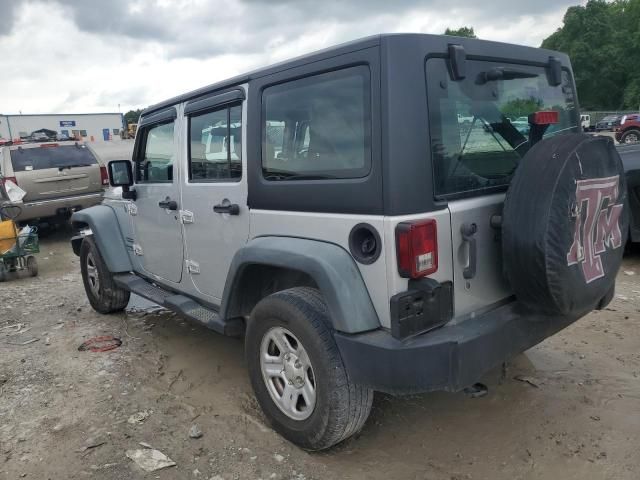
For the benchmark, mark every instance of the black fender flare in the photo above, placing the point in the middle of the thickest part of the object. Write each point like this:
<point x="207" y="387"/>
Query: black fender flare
<point x="106" y="232"/>
<point x="330" y="266"/>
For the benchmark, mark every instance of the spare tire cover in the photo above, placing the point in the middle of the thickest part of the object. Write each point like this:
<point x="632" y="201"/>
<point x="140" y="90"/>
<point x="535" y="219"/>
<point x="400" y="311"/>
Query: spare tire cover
<point x="565" y="223"/>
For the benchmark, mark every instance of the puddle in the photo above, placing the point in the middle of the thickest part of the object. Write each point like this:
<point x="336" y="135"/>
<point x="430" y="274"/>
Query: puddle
<point x="137" y="304"/>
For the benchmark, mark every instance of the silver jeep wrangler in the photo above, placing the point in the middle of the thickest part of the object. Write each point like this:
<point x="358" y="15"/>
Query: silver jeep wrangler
<point x="370" y="217"/>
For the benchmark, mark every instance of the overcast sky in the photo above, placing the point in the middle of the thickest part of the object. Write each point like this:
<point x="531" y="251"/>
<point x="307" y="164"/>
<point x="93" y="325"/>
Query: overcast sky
<point x="75" y="56"/>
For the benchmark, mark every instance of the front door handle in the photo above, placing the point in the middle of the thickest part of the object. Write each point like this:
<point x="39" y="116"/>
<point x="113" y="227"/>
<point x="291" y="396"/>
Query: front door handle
<point x="468" y="230"/>
<point x="229" y="209"/>
<point x="168" y="204"/>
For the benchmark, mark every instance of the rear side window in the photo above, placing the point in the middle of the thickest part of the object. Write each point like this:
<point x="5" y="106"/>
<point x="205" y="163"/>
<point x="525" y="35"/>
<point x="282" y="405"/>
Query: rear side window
<point x="40" y="158"/>
<point x="215" y="148"/>
<point x="479" y="125"/>
<point x="318" y="127"/>
<point x="155" y="163"/>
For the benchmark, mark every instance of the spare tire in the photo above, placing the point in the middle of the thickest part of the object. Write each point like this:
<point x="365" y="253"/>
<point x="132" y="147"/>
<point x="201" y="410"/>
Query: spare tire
<point x="565" y="223"/>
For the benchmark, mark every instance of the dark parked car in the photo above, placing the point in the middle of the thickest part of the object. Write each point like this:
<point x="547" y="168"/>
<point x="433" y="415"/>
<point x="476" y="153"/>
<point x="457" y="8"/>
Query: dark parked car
<point x="610" y="122"/>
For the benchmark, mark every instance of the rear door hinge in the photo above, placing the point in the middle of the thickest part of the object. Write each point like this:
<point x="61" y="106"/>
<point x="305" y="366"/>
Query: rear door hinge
<point x="186" y="216"/>
<point x="137" y="250"/>
<point x="193" y="267"/>
<point x="132" y="209"/>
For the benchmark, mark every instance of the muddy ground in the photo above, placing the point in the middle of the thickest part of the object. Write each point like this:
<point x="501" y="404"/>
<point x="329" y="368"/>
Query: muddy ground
<point x="64" y="413"/>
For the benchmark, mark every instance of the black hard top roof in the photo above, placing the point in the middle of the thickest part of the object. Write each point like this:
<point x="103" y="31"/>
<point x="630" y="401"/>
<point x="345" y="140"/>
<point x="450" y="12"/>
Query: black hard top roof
<point x="437" y="42"/>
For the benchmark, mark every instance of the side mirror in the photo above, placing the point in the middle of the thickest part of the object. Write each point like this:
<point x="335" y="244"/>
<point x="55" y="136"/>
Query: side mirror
<point x="121" y="175"/>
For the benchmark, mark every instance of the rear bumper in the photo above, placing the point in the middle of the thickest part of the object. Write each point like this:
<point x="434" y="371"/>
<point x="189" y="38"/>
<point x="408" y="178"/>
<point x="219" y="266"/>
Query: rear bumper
<point x="450" y="358"/>
<point x="52" y="207"/>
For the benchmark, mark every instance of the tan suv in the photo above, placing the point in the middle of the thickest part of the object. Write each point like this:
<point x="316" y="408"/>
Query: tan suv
<point x="58" y="179"/>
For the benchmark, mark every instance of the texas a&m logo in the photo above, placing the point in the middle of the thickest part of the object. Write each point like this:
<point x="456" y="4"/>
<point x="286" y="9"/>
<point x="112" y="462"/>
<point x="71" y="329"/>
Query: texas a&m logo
<point x="597" y="217"/>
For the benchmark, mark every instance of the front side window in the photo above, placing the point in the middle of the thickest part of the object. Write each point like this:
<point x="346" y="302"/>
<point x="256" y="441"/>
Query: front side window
<point x="215" y="148"/>
<point x="156" y="162"/>
<point x="480" y="127"/>
<point x="318" y="127"/>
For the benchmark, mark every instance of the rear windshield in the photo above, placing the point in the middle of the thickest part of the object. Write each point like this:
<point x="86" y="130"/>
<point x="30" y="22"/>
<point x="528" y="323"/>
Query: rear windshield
<point x="39" y="158"/>
<point x="479" y="125"/>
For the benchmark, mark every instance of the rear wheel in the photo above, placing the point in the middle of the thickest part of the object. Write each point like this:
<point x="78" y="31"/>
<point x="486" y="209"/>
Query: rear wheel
<point x="297" y="373"/>
<point x="630" y="136"/>
<point x="103" y="294"/>
<point x="3" y="272"/>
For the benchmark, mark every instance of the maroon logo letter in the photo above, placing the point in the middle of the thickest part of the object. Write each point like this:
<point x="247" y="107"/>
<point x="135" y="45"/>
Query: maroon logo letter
<point x="597" y="225"/>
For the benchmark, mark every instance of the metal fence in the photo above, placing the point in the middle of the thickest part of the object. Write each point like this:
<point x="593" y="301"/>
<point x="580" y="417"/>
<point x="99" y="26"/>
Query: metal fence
<point x="597" y="116"/>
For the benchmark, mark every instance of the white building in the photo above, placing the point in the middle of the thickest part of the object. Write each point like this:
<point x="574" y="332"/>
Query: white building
<point x="88" y="127"/>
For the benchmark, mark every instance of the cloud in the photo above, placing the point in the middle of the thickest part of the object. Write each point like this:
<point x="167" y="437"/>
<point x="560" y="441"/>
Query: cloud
<point x="7" y="18"/>
<point x="79" y="56"/>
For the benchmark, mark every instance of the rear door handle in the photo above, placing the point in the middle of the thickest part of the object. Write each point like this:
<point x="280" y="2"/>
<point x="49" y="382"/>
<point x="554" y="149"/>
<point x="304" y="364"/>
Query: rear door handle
<point x="230" y="209"/>
<point x="168" y="204"/>
<point x="468" y="231"/>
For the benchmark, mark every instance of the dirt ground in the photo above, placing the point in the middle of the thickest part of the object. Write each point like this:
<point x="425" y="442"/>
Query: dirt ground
<point x="64" y="413"/>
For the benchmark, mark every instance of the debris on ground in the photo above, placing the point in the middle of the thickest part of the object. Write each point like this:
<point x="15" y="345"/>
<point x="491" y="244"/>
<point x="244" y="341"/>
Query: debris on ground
<point x="530" y="380"/>
<point x="104" y="343"/>
<point x="22" y="344"/>
<point x="150" y="460"/>
<point x="91" y="444"/>
<point x="477" y="390"/>
<point x="195" y="432"/>
<point x="139" y="417"/>
<point x="629" y="273"/>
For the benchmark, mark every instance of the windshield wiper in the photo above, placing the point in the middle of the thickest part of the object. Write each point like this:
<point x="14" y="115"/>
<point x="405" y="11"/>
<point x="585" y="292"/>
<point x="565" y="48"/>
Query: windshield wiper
<point x="503" y="73"/>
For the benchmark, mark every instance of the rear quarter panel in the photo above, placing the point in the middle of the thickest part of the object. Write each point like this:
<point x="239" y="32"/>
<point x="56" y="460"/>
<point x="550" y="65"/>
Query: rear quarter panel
<point x="332" y="228"/>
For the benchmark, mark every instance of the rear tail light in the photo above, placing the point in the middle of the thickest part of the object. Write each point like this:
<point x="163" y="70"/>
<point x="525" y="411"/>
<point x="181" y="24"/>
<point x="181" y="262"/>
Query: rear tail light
<point x="544" y="118"/>
<point x="49" y="145"/>
<point x="417" y="248"/>
<point x="3" y="180"/>
<point x="104" y="175"/>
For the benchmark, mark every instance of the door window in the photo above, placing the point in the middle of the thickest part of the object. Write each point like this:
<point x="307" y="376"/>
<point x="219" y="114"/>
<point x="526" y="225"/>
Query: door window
<point x="215" y="147"/>
<point x="155" y="163"/>
<point x="318" y="127"/>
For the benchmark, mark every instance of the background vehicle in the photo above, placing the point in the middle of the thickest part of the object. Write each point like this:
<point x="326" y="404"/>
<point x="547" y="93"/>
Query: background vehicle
<point x="62" y="137"/>
<point x="39" y="137"/>
<point x="465" y="118"/>
<point x="585" y="122"/>
<point x="630" y="154"/>
<point x="356" y="232"/>
<point x="132" y="128"/>
<point x="629" y="129"/>
<point x="58" y="179"/>
<point x="608" y="123"/>
<point x="522" y="124"/>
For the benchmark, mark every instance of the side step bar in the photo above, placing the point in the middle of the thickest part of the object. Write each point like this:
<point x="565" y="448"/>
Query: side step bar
<point x="180" y="304"/>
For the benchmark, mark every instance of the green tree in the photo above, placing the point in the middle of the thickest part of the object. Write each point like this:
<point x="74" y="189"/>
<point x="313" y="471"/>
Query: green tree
<point x="520" y="107"/>
<point x="461" y="32"/>
<point x="132" y="116"/>
<point x="602" y="40"/>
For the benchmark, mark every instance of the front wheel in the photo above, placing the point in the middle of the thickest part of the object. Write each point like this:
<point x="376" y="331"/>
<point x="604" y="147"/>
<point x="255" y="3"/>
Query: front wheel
<point x="32" y="266"/>
<point x="630" y="136"/>
<point x="103" y="293"/>
<point x="297" y="373"/>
